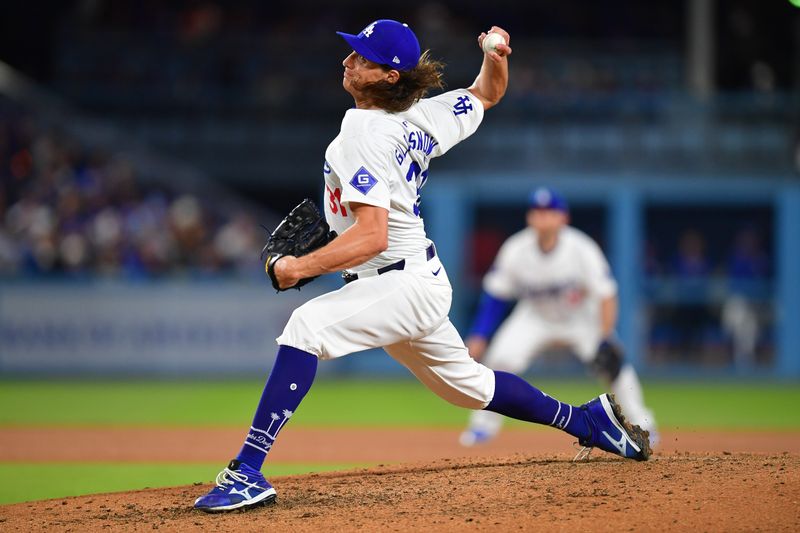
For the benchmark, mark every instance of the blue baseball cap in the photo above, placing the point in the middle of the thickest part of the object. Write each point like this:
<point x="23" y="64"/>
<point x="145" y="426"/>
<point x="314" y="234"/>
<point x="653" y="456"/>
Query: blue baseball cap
<point x="546" y="198"/>
<point x="386" y="42"/>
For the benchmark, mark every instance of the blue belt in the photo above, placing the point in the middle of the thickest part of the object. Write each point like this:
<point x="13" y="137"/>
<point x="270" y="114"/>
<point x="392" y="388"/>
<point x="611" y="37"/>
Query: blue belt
<point x="430" y="253"/>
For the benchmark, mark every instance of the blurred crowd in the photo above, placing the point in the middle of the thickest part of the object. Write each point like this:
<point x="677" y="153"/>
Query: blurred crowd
<point x="223" y="55"/>
<point x="722" y="305"/>
<point x="66" y="209"/>
<point x="690" y="259"/>
<point x="597" y="49"/>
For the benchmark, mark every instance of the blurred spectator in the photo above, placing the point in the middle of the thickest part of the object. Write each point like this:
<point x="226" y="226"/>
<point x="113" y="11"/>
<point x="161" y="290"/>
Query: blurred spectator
<point x="651" y="261"/>
<point x="747" y="265"/>
<point x="690" y="261"/>
<point x="694" y="327"/>
<point x="747" y="260"/>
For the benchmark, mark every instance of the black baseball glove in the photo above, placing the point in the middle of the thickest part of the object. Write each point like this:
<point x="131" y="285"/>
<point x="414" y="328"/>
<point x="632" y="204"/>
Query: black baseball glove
<point x="301" y="232"/>
<point x="609" y="359"/>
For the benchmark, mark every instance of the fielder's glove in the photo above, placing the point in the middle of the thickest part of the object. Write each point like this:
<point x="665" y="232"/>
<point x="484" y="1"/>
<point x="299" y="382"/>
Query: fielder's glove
<point x="301" y="232"/>
<point x="609" y="359"/>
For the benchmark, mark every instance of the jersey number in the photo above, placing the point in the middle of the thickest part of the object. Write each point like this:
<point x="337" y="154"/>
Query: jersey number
<point x="335" y="201"/>
<point x="415" y="172"/>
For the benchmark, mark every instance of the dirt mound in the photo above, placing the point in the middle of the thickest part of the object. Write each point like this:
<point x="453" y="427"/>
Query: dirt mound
<point x="672" y="492"/>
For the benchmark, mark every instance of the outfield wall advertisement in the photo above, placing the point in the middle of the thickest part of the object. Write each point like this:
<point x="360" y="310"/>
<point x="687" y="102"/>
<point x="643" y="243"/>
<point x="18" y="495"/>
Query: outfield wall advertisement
<point x="151" y="328"/>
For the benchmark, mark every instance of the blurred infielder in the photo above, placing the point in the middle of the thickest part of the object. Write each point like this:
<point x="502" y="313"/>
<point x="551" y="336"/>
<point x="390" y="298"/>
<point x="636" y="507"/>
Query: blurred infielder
<point x="396" y="294"/>
<point x="566" y="297"/>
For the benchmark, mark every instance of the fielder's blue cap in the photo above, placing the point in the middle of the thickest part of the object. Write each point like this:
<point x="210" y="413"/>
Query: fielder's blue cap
<point x="546" y="198"/>
<point x="386" y="42"/>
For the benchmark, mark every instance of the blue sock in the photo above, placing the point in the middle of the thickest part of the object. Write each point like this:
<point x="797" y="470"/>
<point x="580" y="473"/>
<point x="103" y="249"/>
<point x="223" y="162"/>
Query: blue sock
<point x="288" y="383"/>
<point x="515" y="397"/>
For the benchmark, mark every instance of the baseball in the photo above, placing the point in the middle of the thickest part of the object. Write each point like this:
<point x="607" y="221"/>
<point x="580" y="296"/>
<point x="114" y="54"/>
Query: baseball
<point x="491" y="41"/>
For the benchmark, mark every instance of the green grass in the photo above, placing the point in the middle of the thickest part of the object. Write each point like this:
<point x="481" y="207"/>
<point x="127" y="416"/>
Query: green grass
<point x="370" y="403"/>
<point x="41" y="481"/>
<point x="364" y="403"/>
<point x="725" y="406"/>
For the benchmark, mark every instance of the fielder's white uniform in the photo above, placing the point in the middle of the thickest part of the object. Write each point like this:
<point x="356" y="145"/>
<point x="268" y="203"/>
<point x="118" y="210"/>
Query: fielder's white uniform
<point x="382" y="159"/>
<point x="558" y="294"/>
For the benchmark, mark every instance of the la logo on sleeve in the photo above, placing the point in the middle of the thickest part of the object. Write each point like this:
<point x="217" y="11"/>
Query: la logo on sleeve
<point x="363" y="181"/>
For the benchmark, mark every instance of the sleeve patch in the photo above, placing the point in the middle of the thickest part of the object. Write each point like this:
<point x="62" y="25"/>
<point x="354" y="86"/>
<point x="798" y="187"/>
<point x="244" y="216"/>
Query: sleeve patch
<point x="363" y="181"/>
<point x="463" y="106"/>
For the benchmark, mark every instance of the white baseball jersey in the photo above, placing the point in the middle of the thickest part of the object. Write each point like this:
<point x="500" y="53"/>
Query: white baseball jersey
<point x="381" y="159"/>
<point x="558" y="293"/>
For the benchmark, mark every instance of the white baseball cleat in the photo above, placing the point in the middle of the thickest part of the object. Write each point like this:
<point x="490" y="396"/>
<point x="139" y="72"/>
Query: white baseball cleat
<point x="471" y="437"/>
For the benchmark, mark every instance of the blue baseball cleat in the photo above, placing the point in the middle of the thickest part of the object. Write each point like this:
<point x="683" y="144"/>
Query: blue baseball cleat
<point x="612" y="433"/>
<point x="238" y="487"/>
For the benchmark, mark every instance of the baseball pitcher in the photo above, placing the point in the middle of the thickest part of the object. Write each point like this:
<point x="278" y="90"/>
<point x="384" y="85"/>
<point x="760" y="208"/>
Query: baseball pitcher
<point x="396" y="294"/>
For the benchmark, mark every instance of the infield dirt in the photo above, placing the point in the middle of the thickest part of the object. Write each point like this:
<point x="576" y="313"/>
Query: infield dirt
<point x="682" y="488"/>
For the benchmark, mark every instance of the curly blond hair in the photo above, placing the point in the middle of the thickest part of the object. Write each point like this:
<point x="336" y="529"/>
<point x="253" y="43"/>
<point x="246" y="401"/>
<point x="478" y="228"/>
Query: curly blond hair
<point x="409" y="88"/>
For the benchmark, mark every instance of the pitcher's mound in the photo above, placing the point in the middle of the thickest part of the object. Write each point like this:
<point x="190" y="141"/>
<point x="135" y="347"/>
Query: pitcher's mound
<point x="678" y="492"/>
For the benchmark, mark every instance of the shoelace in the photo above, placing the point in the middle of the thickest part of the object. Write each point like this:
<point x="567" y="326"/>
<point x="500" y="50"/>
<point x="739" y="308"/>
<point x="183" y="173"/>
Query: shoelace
<point x="222" y="478"/>
<point x="583" y="453"/>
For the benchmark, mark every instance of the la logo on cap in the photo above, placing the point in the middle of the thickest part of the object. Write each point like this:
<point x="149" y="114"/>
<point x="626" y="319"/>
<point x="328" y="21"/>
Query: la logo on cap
<point x="543" y="197"/>
<point x="386" y="42"/>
